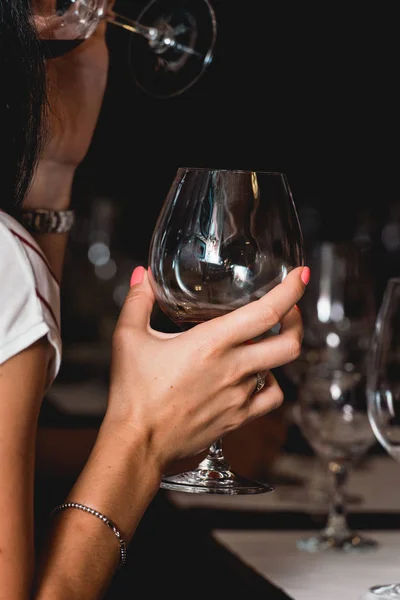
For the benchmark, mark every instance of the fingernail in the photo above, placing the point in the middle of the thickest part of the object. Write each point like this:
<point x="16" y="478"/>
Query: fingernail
<point x="297" y="308"/>
<point x="137" y="276"/>
<point x="305" y="275"/>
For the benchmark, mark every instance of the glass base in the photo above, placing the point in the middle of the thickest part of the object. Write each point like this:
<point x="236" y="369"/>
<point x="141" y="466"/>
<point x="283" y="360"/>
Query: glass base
<point x="218" y="480"/>
<point x="385" y="592"/>
<point x="354" y="542"/>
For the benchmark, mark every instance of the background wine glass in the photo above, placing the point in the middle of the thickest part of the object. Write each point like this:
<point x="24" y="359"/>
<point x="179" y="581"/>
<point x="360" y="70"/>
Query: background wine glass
<point x="383" y="390"/>
<point x="172" y="46"/>
<point x="223" y="239"/>
<point x="338" y="317"/>
<point x="334" y="420"/>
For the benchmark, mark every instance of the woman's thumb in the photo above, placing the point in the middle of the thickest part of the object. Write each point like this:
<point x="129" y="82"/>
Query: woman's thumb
<point x="139" y="302"/>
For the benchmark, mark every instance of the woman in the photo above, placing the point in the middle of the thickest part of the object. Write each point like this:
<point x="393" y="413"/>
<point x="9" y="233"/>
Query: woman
<point x="157" y="412"/>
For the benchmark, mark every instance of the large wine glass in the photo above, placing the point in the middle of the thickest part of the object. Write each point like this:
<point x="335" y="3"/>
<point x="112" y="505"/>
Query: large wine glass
<point x="383" y="391"/>
<point x="223" y="239"/>
<point x="172" y="46"/>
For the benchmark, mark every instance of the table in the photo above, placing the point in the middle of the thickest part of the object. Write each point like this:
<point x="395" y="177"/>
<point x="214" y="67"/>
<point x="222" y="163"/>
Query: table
<point x="261" y="531"/>
<point x="319" y="576"/>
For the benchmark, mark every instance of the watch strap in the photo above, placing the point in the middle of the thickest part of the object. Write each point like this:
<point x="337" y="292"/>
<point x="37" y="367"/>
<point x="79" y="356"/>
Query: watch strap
<point x="42" y="220"/>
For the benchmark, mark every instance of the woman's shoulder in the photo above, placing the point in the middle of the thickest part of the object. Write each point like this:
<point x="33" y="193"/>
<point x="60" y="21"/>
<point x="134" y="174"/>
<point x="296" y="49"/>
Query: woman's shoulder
<point x="29" y="294"/>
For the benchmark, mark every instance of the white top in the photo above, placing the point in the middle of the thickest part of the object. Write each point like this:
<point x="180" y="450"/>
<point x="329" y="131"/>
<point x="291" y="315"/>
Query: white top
<point x="29" y="295"/>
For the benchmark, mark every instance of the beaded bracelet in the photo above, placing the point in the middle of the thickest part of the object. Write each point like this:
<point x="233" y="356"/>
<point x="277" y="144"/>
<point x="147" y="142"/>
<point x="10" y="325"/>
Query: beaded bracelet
<point x="106" y="521"/>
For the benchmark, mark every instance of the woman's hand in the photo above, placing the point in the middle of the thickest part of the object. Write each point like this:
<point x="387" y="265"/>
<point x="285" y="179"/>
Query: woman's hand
<point x="183" y="391"/>
<point x="76" y="85"/>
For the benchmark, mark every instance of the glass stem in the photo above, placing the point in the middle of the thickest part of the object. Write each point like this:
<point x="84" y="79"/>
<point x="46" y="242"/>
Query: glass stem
<point x="215" y="460"/>
<point x="161" y="39"/>
<point x="215" y="451"/>
<point x="150" y="33"/>
<point x="336" y="525"/>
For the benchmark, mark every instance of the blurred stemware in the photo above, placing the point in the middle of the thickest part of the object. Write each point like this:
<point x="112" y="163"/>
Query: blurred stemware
<point x="383" y="391"/>
<point x="338" y="317"/>
<point x="223" y="239"/>
<point x="334" y="420"/>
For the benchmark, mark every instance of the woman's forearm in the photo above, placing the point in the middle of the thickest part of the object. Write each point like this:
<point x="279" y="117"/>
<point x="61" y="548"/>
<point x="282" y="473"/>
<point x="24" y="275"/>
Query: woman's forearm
<point x="81" y="554"/>
<point x="51" y="188"/>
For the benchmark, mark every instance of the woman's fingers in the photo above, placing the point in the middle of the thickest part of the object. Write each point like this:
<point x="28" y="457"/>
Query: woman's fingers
<point x="259" y="316"/>
<point x="275" y="350"/>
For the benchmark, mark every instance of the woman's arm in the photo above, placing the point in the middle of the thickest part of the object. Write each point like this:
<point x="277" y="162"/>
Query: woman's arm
<point x="22" y="383"/>
<point x="119" y="479"/>
<point x="75" y="87"/>
<point x="51" y="189"/>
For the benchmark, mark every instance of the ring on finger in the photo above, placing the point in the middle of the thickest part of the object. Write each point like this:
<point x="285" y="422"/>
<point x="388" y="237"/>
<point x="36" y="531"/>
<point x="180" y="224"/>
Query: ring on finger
<point x="260" y="382"/>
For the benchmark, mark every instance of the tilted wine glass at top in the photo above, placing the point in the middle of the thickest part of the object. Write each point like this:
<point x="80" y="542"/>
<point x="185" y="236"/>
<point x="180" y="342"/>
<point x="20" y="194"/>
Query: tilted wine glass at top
<point x="172" y="45"/>
<point x="223" y="239"/>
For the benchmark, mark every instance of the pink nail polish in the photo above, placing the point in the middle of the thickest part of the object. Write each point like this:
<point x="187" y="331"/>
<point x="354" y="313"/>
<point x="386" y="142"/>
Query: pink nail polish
<point x="305" y="275"/>
<point x="137" y="276"/>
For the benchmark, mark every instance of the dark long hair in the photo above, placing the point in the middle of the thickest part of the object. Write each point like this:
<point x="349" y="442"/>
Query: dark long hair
<point x="22" y="101"/>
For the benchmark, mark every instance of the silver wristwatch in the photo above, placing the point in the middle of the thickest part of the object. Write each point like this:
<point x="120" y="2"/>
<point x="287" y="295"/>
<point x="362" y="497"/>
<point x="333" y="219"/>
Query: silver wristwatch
<point x="42" y="220"/>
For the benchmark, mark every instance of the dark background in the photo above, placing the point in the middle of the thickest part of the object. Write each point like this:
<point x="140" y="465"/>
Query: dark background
<point x="307" y="89"/>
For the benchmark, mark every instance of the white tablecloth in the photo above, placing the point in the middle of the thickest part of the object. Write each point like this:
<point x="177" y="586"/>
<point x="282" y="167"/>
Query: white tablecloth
<point x="316" y="576"/>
